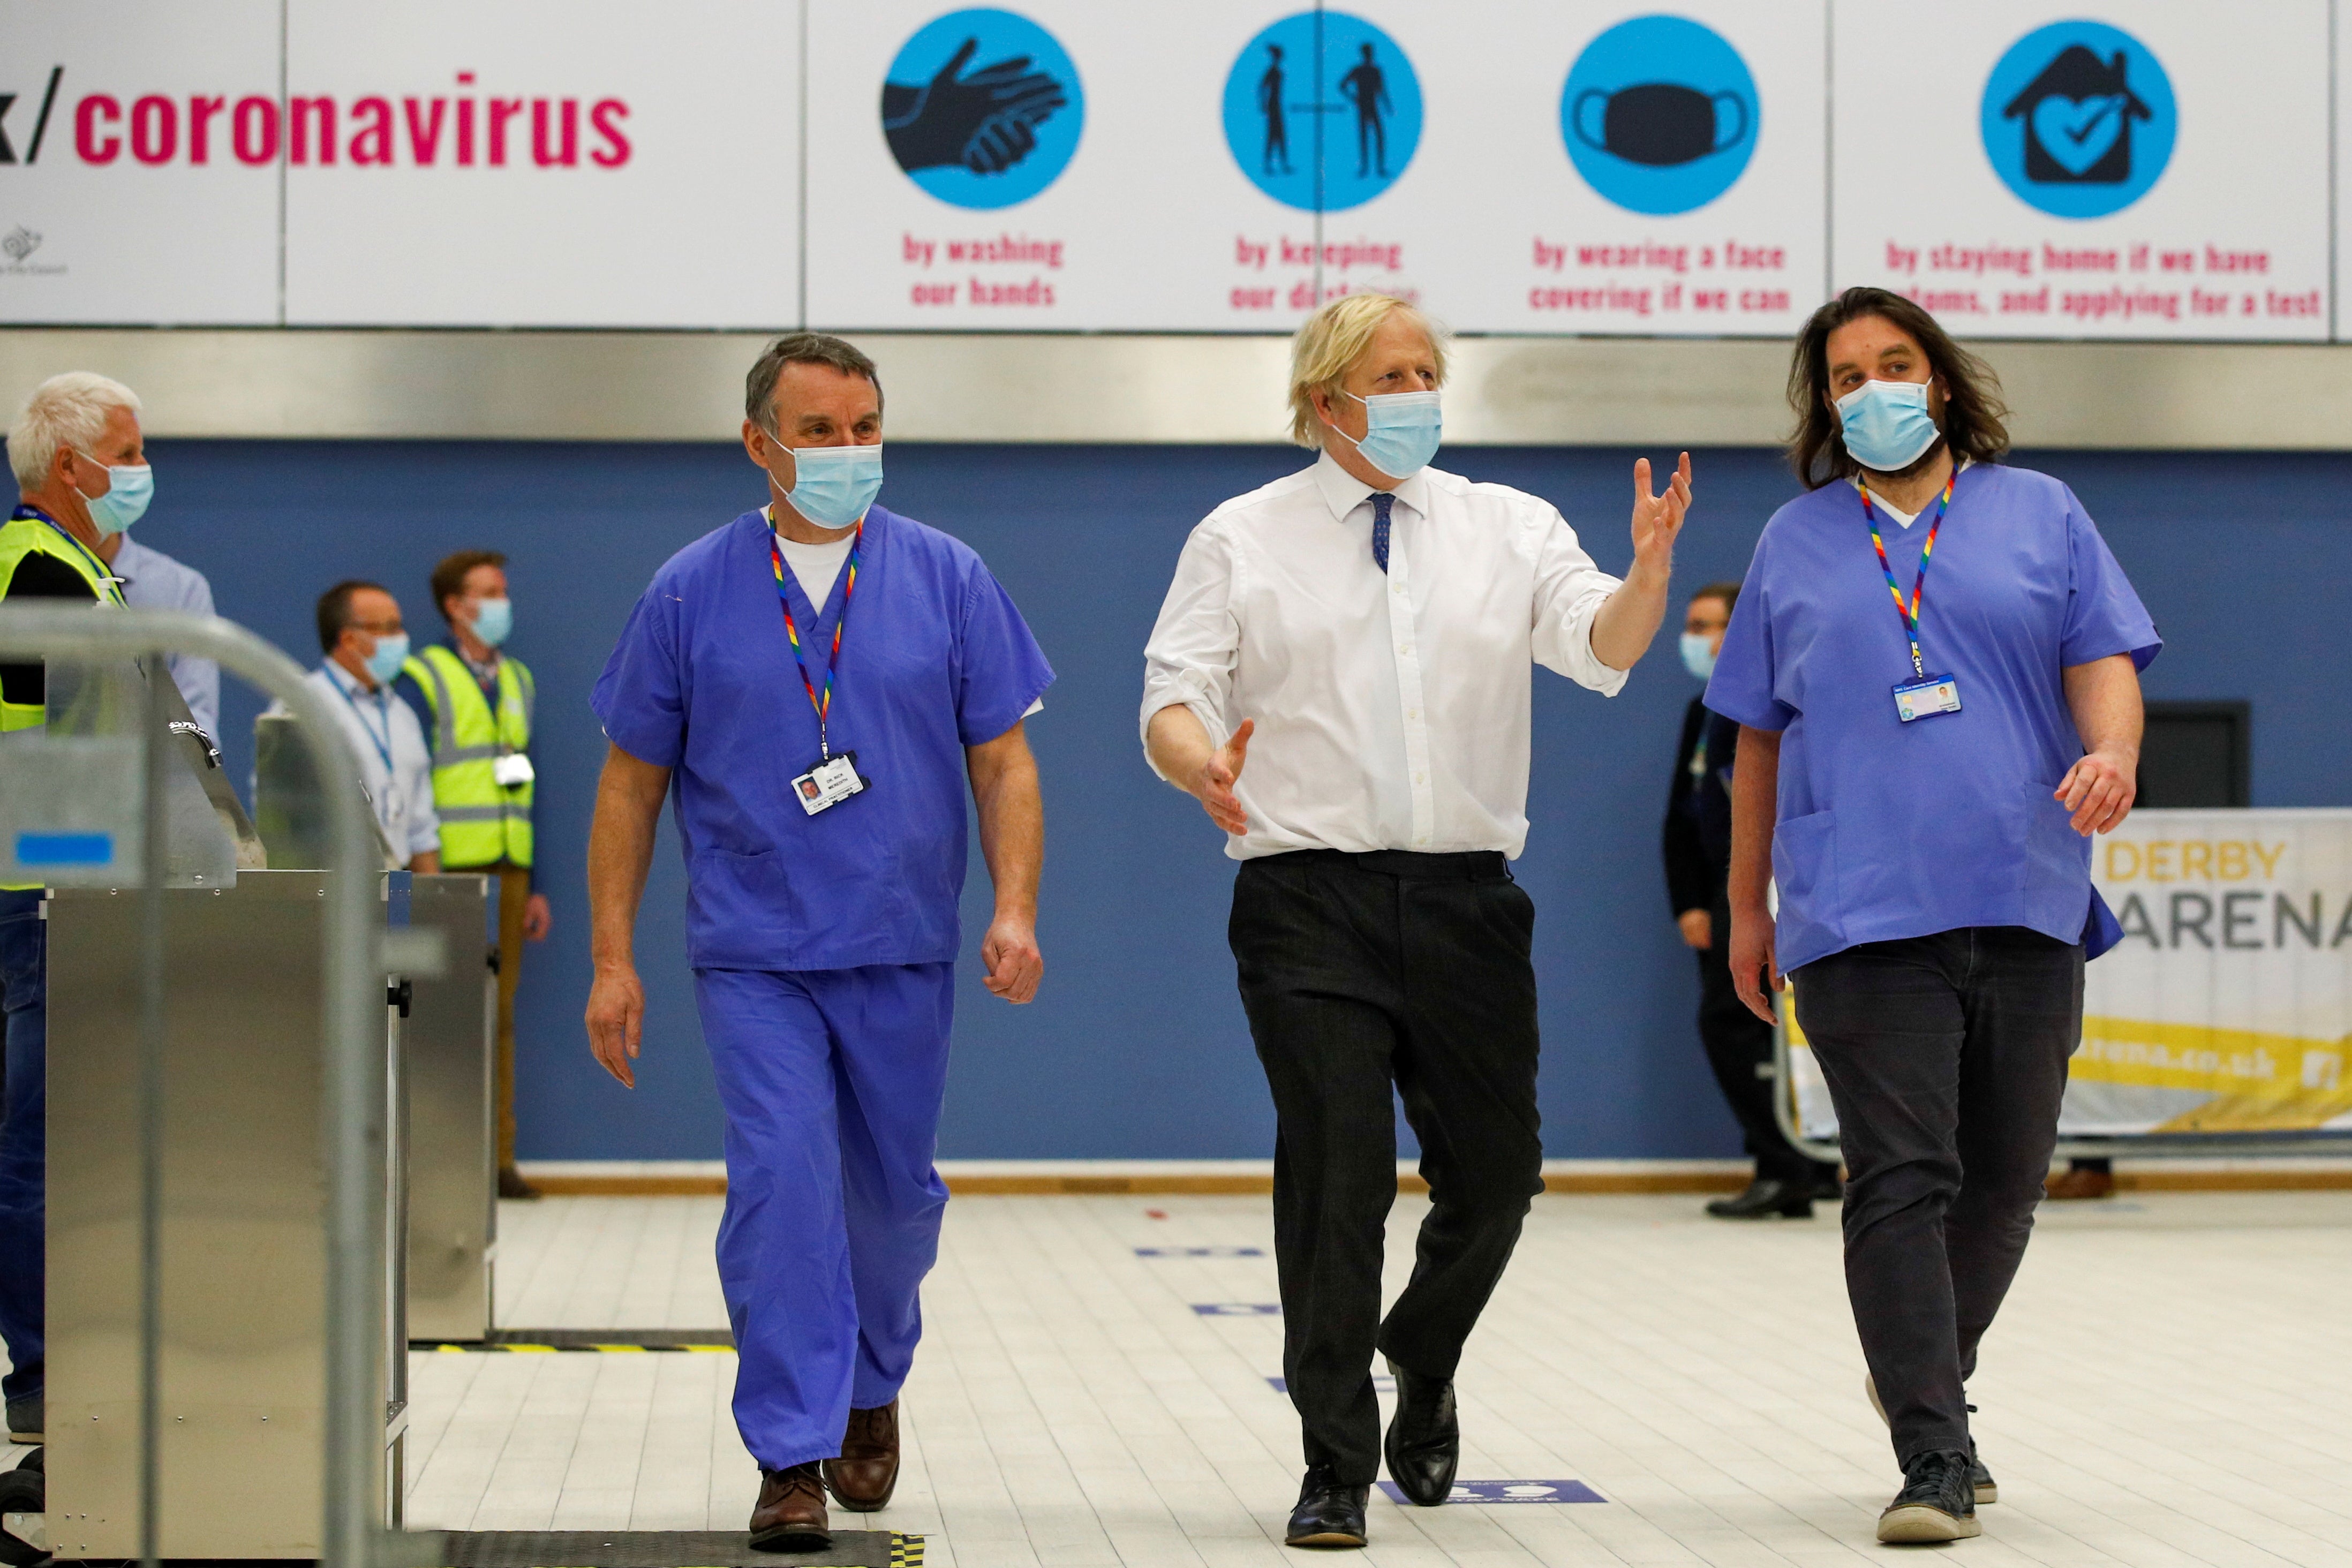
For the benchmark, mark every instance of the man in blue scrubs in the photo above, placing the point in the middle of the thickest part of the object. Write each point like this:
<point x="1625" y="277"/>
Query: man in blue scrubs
<point x="1919" y="773"/>
<point x="814" y="685"/>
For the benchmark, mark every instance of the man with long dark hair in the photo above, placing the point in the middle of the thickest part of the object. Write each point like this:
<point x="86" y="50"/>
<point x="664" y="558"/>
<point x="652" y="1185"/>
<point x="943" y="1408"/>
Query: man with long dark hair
<point x="1921" y="780"/>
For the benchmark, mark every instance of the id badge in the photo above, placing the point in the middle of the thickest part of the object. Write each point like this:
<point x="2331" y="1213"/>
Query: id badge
<point x="828" y="783"/>
<point x="510" y="770"/>
<point x="1926" y="697"/>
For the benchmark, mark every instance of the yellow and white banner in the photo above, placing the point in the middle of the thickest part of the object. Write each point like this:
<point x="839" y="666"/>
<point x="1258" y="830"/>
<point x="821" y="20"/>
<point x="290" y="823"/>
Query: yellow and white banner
<point x="2227" y="1007"/>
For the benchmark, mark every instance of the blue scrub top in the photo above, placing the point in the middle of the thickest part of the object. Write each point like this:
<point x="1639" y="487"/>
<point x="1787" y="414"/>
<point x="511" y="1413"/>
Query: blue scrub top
<point x="702" y="681"/>
<point x="1886" y="829"/>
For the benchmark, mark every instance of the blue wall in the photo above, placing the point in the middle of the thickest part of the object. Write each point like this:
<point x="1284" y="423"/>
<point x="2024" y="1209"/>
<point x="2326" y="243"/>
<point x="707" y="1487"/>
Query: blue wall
<point x="1137" y="1047"/>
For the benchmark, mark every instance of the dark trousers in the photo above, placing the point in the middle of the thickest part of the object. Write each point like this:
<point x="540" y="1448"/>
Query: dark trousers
<point x="1740" y="1048"/>
<point x="24" y="1138"/>
<point x="1945" y="1058"/>
<point x="1360" y="973"/>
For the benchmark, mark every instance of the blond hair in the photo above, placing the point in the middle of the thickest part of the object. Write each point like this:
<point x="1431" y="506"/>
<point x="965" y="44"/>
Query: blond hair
<point x="66" y="410"/>
<point x="1328" y="347"/>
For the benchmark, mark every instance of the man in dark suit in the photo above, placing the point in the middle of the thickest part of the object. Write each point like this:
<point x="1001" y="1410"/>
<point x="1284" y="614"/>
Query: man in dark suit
<point x="1699" y="860"/>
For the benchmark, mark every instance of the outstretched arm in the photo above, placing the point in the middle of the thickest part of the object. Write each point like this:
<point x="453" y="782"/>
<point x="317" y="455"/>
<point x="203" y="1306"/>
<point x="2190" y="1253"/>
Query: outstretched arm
<point x="1180" y="749"/>
<point x="1622" y="628"/>
<point x="620" y="851"/>
<point x="1013" y="841"/>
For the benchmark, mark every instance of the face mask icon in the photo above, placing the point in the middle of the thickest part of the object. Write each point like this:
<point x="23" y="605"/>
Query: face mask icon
<point x="1660" y="124"/>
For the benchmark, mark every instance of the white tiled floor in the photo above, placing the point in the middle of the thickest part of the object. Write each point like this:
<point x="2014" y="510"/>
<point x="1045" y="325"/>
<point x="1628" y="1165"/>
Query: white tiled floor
<point x="2171" y="1385"/>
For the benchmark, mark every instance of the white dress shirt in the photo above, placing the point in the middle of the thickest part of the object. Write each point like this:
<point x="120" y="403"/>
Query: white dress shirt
<point x="395" y="762"/>
<point x="154" y="581"/>
<point x="1392" y="710"/>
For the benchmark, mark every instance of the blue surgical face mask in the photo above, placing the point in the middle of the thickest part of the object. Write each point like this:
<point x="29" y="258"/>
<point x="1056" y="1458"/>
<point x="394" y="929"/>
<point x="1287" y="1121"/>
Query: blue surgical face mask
<point x="1402" y="430"/>
<point x="1886" y="423"/>
<point x="391" y="653"/>
<point x="493" y="620"/>
<point x="125" y="500"/>
<point x="1699" y="654"/>
<point x="833" y="486"/>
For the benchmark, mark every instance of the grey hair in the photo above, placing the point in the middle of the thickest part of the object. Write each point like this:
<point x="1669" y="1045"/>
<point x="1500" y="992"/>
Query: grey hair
<point x="801" y="348"/>
<point x="66" y="410"/>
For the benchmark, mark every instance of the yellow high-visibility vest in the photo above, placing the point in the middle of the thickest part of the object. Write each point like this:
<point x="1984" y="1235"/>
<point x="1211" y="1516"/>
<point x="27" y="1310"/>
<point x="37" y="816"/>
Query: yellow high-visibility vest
<point x="482" y="821"/>
<point x="35" y="536"/>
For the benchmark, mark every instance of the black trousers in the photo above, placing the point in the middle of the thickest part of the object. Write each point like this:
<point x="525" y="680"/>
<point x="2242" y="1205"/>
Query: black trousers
<point x="1945" y="1058"/>
<point x="1360" y="973"/>
<point x="1738" y="1048"/>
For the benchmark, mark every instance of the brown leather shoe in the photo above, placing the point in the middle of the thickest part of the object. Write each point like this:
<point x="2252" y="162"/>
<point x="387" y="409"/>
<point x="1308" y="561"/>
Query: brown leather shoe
<point x="866" y="1475"/>
<point x="2081" y="1182"/>
<point x="791" y="1513"/>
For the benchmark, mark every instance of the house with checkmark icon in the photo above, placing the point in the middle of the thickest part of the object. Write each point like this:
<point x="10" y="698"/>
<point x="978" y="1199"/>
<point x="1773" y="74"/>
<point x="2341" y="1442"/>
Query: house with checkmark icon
<point x="2078" y="117"/>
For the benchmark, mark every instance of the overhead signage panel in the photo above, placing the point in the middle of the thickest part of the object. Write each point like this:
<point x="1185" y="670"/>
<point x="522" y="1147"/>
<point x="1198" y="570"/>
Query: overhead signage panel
<point x="139" y="152"/>
<point x="542" y="162"/>
<point x="2157" y="175"/>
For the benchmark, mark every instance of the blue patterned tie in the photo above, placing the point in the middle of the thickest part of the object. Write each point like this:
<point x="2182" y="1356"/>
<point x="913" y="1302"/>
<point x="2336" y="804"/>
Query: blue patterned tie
<point x="1383" y="502"/>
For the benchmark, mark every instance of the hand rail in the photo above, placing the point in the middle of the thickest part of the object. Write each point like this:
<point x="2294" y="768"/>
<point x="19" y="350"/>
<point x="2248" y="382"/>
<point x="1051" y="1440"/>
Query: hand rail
<point x="354" y="1114"/>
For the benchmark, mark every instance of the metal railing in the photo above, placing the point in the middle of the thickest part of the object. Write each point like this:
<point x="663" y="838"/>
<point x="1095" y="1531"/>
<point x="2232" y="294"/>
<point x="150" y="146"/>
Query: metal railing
<point x="354" y="1114"/>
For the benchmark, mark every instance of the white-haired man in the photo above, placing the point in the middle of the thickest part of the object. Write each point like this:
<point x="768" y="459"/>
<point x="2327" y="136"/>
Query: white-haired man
<point x="1371" y="622"/>
<point x="81" y="477"/>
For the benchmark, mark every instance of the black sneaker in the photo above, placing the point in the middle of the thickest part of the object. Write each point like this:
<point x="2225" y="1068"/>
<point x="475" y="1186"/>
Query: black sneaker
<point x="1936" y="1502"/>
<point x="24" y="1419"/>
<point x="1987" y="1488"/>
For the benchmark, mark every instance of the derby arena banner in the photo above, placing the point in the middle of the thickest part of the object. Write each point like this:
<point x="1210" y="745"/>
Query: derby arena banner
<point x="2227" y="1007"/>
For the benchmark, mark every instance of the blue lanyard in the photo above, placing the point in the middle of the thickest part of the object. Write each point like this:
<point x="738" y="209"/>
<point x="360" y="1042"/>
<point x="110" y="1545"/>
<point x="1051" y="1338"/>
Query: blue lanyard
<point x="382" y="747"/>
<point x="113" y="588"/>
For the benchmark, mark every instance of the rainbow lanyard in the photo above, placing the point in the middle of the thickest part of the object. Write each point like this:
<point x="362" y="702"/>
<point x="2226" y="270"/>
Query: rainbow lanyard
<point x="1910" y="612"/>
<point x="824" y="705"/>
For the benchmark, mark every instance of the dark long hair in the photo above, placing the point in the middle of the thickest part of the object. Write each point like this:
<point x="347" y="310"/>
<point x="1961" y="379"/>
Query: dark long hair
<point x="1976" y="421"/>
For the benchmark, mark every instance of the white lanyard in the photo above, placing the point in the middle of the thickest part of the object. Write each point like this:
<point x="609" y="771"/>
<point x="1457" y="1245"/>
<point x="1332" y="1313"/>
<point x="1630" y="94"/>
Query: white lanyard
<point x="382" y="747"/>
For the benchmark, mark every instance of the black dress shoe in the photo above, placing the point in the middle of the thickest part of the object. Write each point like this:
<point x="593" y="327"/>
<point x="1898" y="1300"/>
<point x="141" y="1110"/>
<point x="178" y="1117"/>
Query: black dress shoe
<point x="1329" y="1514"/>
<point x="1936" y="1502"/>
<point x="1765" y="1198"/>
<point x="1425" y="1438"/>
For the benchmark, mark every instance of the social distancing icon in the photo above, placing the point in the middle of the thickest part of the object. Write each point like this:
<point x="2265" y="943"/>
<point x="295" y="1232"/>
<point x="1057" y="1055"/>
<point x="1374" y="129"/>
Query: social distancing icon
<point x="1322" y="110"/>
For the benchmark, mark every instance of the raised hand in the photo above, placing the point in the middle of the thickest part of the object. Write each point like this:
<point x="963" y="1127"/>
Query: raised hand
<point x="1658" y="519"/>
<point x="1219" y="773"/>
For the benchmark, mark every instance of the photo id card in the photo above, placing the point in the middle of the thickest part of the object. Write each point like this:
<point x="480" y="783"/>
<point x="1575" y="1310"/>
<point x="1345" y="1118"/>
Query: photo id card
<point x="1926" y="697"/>
<point x="828" y="783"/>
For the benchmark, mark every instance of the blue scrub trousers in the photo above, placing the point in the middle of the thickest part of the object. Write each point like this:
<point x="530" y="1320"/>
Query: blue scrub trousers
<point x="24" y="1138"/>
<point x="831" y="1080"/>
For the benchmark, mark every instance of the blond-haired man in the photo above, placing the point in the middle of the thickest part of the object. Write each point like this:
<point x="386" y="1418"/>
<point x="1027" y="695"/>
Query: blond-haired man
<point x="1367" y="624"/>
